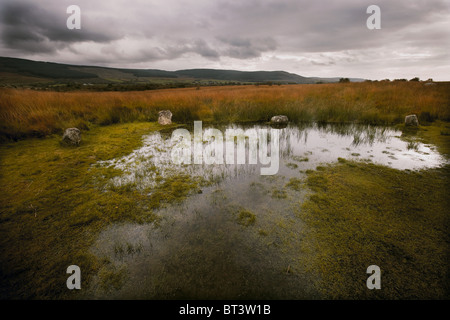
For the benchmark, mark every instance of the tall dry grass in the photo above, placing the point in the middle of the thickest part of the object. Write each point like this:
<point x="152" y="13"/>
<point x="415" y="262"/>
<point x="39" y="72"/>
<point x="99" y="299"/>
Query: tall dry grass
<point x="25" y="113"/>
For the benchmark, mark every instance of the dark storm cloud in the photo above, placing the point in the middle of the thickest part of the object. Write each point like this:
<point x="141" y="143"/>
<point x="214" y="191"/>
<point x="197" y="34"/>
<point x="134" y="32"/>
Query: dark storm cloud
<point x="27" y="27"/>
<point x="316" y="26"/>
<point x="256" y="34"/>
<point x="237" y="29"/>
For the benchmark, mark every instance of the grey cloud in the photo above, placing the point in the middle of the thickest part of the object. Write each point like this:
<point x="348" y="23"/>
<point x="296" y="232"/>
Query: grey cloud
<point x="198" y="46"/>
<point x="317" y="63"/>
<point x="167" y="50"/>
<point x="203" y="49"/>
<point x="180" y="34"/>
<point x="316" y="26"/>
<point x="27" y="27"/>
<point x="244" y="48"/>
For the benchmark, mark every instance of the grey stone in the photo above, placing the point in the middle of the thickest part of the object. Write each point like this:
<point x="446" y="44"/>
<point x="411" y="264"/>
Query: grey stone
<point x="279" y="119"/>
<point x="72" y="136"/>
<point x="411" y="120"/>
<point x="165" y="117"/>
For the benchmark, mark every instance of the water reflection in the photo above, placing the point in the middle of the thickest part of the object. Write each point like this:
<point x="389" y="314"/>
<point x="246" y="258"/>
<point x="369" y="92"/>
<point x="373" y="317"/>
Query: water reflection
<point x="201" y="251"/>
<point x="303" y="146"/>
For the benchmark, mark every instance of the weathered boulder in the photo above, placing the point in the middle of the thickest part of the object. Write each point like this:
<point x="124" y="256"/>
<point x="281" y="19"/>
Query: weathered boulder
<point x="165" y="117"/>
<point x="279" y="120"/>
<point x="411" y="120"/>
<point x="72" y="136"/>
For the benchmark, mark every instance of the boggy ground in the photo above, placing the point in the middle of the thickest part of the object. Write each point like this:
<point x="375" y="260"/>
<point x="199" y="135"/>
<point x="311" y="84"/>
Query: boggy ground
<point x="364" y="214"/>
<point x="54" y="206"/>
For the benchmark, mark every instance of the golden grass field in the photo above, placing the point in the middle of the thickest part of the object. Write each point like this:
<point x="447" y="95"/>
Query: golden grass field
<point x="25" y="113"/>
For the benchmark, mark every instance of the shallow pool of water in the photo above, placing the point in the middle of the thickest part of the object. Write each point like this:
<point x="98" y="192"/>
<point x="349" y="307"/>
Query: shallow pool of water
<point x="203" y="249"/>
<point x="299" y="147"/>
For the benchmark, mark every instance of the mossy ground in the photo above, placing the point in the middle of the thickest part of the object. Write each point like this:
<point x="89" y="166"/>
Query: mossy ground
<point x="363" y="214"/>
<point x="53" y="204"/>
<point x="437" y="134"/>
<point x="246" y="217"/>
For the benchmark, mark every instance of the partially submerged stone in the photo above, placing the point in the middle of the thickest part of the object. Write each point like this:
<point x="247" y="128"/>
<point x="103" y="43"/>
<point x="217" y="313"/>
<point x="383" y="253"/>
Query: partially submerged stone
<point x="279" y="122"/>
<point x="411" y="120"/>
<point x="165" y="117"/>
<point x="279" y="119"/>
<point x="72" y="136"/>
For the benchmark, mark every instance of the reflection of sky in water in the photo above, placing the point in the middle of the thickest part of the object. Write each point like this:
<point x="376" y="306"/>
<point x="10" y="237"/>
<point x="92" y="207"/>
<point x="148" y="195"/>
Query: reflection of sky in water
<point x="300" y="148"/>
<point x="380" y="145"/>
<point x="199" y="242"/>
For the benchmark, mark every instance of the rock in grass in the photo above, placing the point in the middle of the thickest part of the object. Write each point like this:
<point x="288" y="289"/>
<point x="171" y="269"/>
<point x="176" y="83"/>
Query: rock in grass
<point x="165" y="117"/>
<point x="72" y="136"/>
<point x="279" y="120"/>
<point x="411" y="120"/>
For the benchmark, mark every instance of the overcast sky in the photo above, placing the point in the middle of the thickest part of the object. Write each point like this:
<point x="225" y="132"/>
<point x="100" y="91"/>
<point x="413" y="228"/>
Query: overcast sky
<point x="310" y="38"/>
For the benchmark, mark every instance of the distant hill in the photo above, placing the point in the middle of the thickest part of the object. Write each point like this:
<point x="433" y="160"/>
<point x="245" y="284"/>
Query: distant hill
<point x="14" y="71"/>
<point x="41" y="69"/>
<point x="244" y="76"/>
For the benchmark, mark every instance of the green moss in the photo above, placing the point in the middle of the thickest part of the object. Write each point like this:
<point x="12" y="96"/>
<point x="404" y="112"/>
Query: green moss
<point x="295" y="184"/>
<point x="263" y="233"/>
<point x="279" y="194"/>
<point x="173" y="189"/>
<point x="316" y="181"/>
<point x="292" y="165"/>
<point x="111" y="278"/>
<point x="300" y="159"/>
<point x="246" y="218"/>
<point x="433" y="134"/>
<point x="363" y="214"/>
<point x="54" y="202"/>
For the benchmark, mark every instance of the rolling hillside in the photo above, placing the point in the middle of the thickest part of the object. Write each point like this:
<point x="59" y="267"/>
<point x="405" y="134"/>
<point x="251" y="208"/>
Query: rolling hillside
<point x="19" y="71"/>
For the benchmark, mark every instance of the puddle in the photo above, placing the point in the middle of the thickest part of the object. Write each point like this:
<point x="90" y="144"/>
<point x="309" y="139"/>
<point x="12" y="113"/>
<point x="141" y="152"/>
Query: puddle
<point x="300" y="148"/>
<point x="240" y="238"/>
